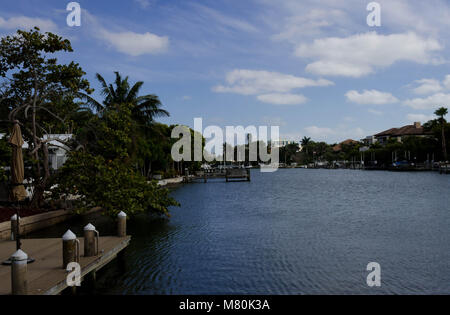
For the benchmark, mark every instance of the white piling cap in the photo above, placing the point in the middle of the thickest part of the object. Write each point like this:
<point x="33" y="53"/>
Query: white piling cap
<point x="14" y="217"/>
<point x="19" y="255"/>
<point x="89" y="227"/>
<point x="122" y="214"/>
<point x="68" y="236"/>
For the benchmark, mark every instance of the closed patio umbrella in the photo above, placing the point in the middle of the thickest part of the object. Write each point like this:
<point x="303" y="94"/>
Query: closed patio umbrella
<point x="18" y="192"/>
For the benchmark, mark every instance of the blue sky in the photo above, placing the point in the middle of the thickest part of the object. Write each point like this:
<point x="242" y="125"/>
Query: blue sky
<point x="314" y="68"/>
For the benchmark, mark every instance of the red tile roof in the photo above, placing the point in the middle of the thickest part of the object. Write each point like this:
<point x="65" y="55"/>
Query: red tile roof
<point x="338" y="147"/>
<point x="409" y="130"/>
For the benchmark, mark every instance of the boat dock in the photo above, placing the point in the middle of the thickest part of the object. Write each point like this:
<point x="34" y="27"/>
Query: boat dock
<point x="46" y="275"/>
<point x="444" y="169"/>
<point x="230" y="174"/>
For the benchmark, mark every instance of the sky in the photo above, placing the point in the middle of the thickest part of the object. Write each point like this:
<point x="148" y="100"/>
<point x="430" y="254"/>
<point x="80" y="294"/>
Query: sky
<point x="313" y="68"/>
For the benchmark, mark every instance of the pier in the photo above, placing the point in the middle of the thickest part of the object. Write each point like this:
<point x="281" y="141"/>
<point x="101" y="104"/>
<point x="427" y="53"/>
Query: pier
<point x="444" y="169"/>
<point x="230" y="174"/>
<point x="41" y="266"/>
<point x="46" y="275"/>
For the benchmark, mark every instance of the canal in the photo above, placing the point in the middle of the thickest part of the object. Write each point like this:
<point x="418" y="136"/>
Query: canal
<point x="295" y="231"/>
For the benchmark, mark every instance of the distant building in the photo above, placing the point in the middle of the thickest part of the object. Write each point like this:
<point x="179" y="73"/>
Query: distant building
<point x="369" y="140"/>
<point x="415" y="129"/>
<point x="3" y="135"/>
<point x="57" y="150"/>
<point x="338" y="147"/>
<point x="283" y="143"/>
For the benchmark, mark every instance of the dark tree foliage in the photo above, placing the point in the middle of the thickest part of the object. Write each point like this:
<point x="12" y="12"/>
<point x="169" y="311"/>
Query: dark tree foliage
<point x="38" y="92"/>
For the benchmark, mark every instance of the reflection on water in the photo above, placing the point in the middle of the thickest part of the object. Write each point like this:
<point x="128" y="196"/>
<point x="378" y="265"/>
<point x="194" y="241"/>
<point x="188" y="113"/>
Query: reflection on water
<point x="295" y="231"/>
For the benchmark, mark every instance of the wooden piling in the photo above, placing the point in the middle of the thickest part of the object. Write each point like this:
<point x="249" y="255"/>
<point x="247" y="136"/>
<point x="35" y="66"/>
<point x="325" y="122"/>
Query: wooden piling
<point x="45" y="276"/>
<point x="121" y="224"/>
<point x="90" y="241"/>
<point x="19" y="282"/>
<point x="71" y="248"/>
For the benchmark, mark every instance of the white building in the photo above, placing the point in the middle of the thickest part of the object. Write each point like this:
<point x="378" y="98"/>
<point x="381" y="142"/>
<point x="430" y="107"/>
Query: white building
<point x="282" y="143"/>
<point x="57" y="150"/>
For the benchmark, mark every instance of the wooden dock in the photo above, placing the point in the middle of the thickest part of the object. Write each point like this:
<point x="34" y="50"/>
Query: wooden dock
<point x="231" y="174"/>
<point x="444" y="169"/>
<point x="46" y="275"/>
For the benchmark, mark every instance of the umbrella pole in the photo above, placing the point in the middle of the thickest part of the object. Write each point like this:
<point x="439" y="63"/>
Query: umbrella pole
<point x="18" y="244"/>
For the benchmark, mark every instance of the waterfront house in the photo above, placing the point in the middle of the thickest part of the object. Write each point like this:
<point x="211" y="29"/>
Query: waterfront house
<point x="57" y="150"/>
<point x="415" y="129"/>
<point x="338" y="147"/>
<point x="282" y="143"/>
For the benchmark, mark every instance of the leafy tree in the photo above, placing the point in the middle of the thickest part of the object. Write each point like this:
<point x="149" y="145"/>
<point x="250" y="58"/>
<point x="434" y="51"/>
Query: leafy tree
<point x="305" y="141"/>
<point x="145" y="108"/>
<point x="5" y="158"/>
<point x="150" y="140"/>
<point x="104" y="175"/>
<point x="38" y="92"/>
<point x="288" y="152"/>
<point x="441" y="112"/>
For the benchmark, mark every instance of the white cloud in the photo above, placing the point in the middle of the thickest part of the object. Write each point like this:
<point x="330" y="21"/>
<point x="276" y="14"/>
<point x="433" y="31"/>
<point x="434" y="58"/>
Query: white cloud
<point x="143" y="3"/>
<point x="312" y="23"/>
<point x="431" y="102"/>
<point x="27" y="23"/>
<point x="419" y="117"/>
<point x="273" y="121"/>
<point x="135" y="44"/>
<point x="225" y="20"/>
<point x="375" y="112"/>
<point x="446" y="81"/>
<point x="362" y="54"/>
<point x="252" y="82"/>
<point x="427" y="86"/>
<point x="370" y="97"/>
<point x="282" y="99"/>
<point x="126" y="42"/>
<point x="423" y="17"/>
<point x="339" y="133"/>
<point x="270" y="87"/>
<point x="318" y="131"/>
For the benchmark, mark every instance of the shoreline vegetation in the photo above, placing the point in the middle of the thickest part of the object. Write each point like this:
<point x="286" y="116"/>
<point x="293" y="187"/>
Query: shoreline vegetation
<point x="116" y="151"/>
<point x="115" y="144"/>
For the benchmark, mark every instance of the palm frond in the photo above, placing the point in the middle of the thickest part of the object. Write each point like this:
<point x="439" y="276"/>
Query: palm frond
<point x="105" y="90"/>
<point x="134" y="91"/>
<point x="91" y="102"/>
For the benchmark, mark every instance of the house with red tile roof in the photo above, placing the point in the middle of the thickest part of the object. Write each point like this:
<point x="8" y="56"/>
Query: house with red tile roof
<point x="338" y="147"/>
<point x="415" y="129"/>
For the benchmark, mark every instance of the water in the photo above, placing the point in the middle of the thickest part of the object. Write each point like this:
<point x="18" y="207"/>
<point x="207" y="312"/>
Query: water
<point x="295" y="231"/>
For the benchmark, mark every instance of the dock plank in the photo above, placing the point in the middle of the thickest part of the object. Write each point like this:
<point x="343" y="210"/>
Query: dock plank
<point x="46" y="275"/>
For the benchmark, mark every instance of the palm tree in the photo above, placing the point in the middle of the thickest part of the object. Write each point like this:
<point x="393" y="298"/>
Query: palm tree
<point x="441" y="112"/>
<point x="306" y="141"/>
<point x="145" y="108"/>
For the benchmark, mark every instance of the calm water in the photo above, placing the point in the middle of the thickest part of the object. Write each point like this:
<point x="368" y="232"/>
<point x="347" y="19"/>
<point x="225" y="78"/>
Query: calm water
<point x="294" y="231"/>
